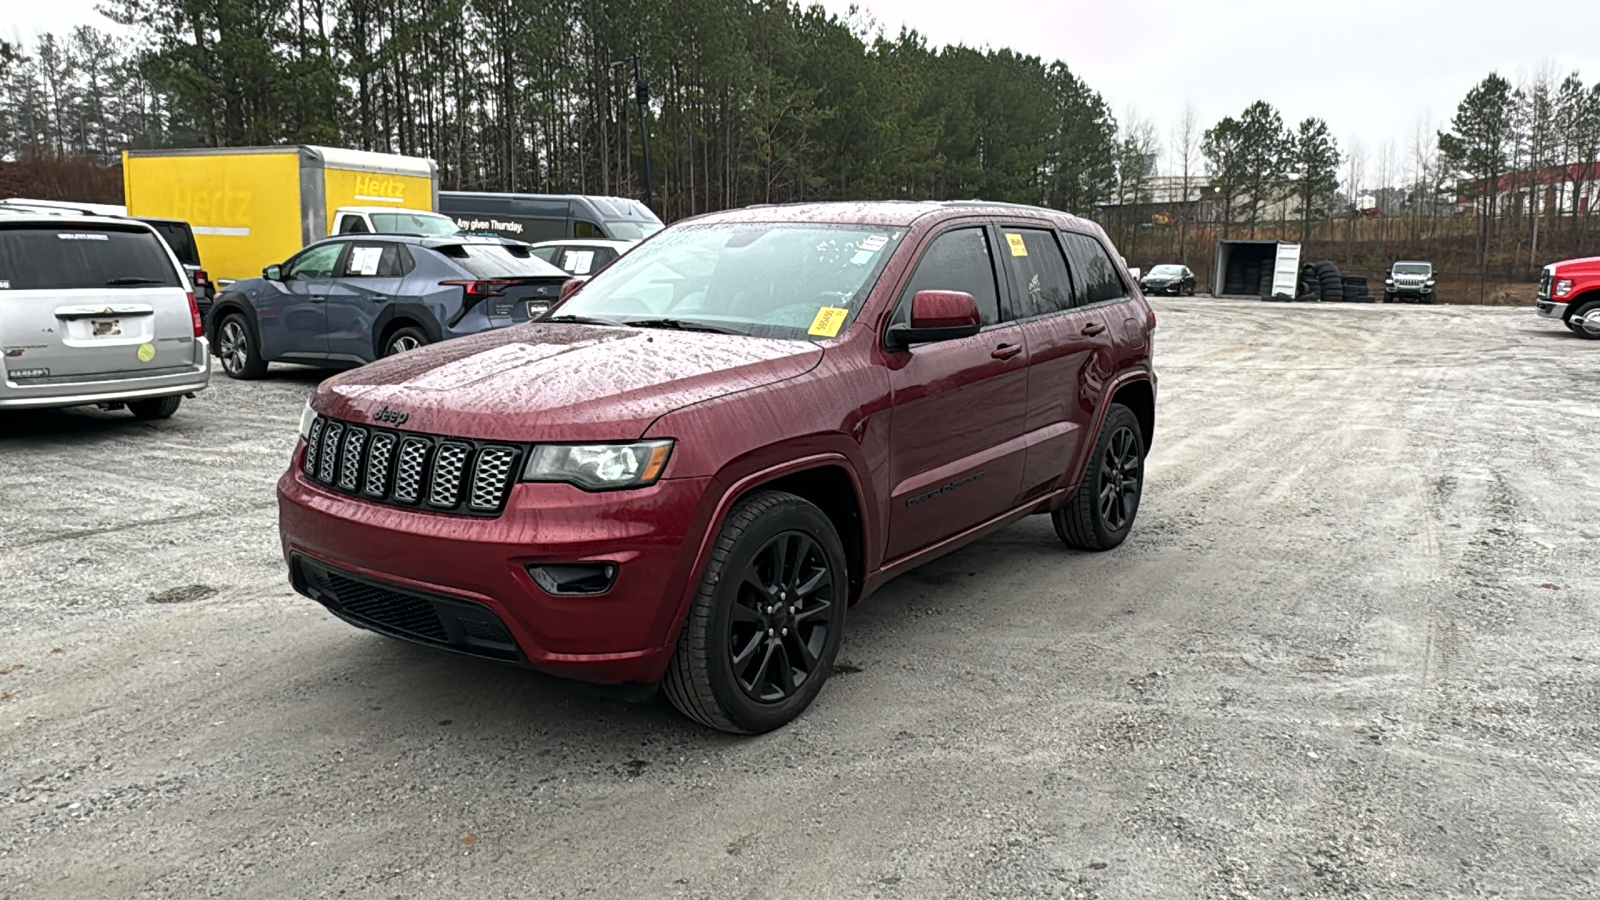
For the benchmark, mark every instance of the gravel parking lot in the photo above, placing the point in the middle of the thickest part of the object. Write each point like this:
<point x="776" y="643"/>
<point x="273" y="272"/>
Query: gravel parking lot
<point x="1351" y="649"/>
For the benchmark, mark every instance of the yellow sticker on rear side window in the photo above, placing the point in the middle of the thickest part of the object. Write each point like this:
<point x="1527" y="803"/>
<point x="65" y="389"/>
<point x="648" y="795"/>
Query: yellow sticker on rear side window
<point x="1018" y="248"/>
<point x="828" y="321"/>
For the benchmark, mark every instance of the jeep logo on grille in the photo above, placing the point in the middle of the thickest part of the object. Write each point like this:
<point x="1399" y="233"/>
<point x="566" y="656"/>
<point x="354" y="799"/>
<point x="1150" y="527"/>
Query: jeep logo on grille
<point x="389" y="415"/>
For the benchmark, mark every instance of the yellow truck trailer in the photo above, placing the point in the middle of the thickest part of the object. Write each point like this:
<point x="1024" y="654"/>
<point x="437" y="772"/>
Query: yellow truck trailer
<point x="254" y="206"/>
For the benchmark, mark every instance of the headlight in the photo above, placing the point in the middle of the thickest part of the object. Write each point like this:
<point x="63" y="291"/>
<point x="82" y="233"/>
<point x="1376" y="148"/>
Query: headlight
<point x="307" y="416"/>
<point x="599" y="467"/>
<point x="1563" y="287"/>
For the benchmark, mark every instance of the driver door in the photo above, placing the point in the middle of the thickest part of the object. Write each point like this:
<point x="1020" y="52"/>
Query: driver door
<point x="955" y="431"/>
<point x="293" y="317"/>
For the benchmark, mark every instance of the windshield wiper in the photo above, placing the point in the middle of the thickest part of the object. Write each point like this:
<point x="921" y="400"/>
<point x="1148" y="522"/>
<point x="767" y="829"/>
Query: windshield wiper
<point x="132" y="280"/>
<point x="580" y="320"/>
<point x="683" y="325"/>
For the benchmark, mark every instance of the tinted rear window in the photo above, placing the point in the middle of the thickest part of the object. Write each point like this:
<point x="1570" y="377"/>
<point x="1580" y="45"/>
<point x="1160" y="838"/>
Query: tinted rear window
<point x="75" y="255"/>
<point x="177" y="237"/>
<point x="498" y="261"/>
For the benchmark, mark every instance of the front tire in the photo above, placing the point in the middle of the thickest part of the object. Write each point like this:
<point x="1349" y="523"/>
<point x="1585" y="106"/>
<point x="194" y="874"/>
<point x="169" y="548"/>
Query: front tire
<point x="159" y="408"/>
<point x="1100" y="516"/>
<point x="767" y="621"/>
<point x="236" y="348"/>
<point x="1589" y="308"/>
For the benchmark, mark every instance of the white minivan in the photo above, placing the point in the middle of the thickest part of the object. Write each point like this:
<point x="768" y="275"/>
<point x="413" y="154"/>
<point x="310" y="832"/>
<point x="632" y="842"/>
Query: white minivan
<point x="96" y="310"/>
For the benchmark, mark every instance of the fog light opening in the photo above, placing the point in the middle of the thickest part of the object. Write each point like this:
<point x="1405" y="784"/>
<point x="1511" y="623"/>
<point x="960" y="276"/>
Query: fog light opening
<point x="575" y="579"/>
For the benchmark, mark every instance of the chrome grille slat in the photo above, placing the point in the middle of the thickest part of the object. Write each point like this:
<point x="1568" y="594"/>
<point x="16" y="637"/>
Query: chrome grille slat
<point x="408" y="474"/>
<point x="442" y="474"/>
<point x="355" y="441"/>
<point x="330" y="451"/>
<point x="314" y="444"/>
<point x="490" y="475"/>
<point x="444" y="489"/>
<point x="379" y="454"/>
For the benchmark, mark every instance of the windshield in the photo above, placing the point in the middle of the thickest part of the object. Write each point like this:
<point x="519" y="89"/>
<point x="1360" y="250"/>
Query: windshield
<point x="1174" y="271"/>
<point x="413" y="223"/>
<point x="1413" y="269"/>
<point x="798" y="282"/>
<point x="632" y="231"/>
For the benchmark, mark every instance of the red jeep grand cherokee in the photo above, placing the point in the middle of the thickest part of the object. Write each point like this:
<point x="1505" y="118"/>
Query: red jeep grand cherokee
<point x="700" y="459"/>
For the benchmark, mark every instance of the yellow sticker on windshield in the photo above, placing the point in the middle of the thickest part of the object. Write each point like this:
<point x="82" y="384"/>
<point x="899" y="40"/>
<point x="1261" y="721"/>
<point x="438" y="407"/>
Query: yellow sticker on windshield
<point x="828" y="321"/>
<point x="1018" y="248"/>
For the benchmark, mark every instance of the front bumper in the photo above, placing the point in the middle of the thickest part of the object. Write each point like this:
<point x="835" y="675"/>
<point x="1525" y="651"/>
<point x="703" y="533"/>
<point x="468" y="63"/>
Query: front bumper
<point x="1551" y="309"/>
<point x="25" y="395"/>
<point x="1169" y="290"/>
<point x="464" y="566"/>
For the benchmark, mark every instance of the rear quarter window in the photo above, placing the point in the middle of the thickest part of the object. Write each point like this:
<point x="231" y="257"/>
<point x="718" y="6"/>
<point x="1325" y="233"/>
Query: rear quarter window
<point x="498" y="261"/>
<point x="75" y="255"/>
<point x="1097" y="274"/>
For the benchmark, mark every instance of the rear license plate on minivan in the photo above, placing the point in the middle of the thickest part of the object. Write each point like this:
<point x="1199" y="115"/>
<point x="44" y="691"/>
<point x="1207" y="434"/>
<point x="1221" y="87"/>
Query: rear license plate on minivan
<point x="107" y="327"/>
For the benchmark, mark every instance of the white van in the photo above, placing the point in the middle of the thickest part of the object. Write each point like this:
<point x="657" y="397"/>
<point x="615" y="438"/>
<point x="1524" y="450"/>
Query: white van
<point x="96" y="310"/>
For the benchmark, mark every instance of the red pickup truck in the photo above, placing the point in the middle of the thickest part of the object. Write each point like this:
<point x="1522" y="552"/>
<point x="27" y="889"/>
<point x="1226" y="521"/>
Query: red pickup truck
<point x="1570" y="291"/>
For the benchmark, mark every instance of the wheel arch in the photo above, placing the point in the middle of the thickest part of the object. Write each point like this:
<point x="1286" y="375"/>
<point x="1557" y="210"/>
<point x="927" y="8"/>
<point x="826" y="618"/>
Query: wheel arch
<point x="1138" y="395"/>
<point x="396" y="316"/>
<point x="226" y="304"/>
<point x="1588" y="295"/>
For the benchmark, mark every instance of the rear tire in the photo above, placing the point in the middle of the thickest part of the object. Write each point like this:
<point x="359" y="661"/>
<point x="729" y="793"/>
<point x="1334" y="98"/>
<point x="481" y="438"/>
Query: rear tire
<point x="1102" y="513"/>
<point x="236" y="347"/>
<point x="403" y="339"/>
<point x="770" y="607"/>
<point x="159" y="408"/>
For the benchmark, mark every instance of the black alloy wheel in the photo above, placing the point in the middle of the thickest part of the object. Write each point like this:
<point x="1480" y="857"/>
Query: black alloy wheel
<point x="766" y="623"/>
<point x="780" y="617"/>
<point x="1101" y="514"/>
<point x="1119" y="479"/>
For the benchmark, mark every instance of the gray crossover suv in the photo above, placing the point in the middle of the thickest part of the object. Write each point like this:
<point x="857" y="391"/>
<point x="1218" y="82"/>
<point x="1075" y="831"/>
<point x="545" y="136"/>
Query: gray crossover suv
<point x="96" y="310"/>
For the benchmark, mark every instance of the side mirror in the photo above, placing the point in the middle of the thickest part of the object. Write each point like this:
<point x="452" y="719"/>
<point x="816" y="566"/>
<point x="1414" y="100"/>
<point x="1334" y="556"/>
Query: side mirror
<point x="570" y="287"/>
<point x="1135" y="272"/>
<point x="272" y="273"/>
<point x="938" y="316"/>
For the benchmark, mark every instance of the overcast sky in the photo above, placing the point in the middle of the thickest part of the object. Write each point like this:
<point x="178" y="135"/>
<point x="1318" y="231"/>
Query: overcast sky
<point x="1372" y="68"/>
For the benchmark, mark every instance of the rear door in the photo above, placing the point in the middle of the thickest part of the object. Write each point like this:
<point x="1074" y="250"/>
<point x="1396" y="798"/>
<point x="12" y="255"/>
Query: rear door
<point x="955" y="431"/>
<point x="1068" y="340"/>
<point x="370" y="277"/>
<point x="82" y="301"/>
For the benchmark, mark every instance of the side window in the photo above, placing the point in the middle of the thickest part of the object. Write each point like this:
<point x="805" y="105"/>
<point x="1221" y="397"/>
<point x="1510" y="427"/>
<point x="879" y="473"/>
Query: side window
<point x="318" y="262"/>
<point x="582" y="229"/>
<point x="1098" y="280"/>
<point x="958" y="260"/>
<point x="372" y="260"/>
<point x="548" y="254"/>
<point x="1038" y="269"/>
<point x="353" y="225"/>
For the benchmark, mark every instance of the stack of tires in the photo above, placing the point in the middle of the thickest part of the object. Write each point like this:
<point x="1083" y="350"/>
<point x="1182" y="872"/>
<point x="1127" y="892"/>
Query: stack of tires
<point x="1356" y="290"/>
<point x="1308" y="289"/>
<point x="1245" y="278"/>
<point x="1331" y="286"/>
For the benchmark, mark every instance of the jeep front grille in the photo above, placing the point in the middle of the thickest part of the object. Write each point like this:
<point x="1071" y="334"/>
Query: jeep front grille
<point x="439" y="474"/>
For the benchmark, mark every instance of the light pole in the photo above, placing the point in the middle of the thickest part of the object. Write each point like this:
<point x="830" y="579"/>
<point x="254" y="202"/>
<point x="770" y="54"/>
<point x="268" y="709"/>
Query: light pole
<point x="641" y="96"/>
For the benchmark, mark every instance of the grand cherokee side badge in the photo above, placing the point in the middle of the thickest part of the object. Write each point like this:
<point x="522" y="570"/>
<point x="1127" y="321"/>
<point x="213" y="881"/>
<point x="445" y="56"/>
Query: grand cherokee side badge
<point x="389" y="415"/>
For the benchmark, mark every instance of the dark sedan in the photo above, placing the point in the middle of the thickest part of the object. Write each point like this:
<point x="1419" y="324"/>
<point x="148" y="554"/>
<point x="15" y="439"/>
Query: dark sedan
<point x="1175" y="280"/>
<point x="351" y="299"/>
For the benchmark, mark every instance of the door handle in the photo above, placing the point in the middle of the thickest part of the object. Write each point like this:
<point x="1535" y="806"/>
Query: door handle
<point x="1006" y="351"/>
<point x="1092" y="329"/>
<point x="317" y="298"/>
